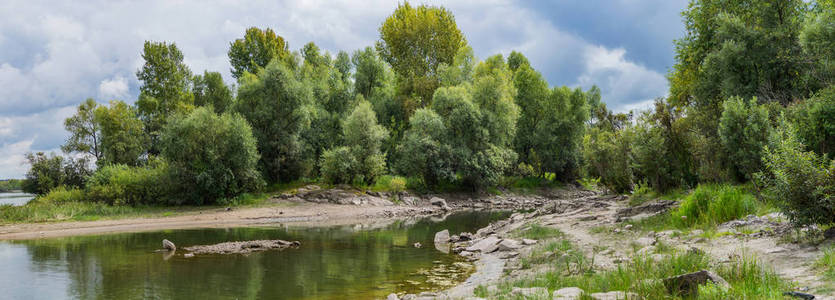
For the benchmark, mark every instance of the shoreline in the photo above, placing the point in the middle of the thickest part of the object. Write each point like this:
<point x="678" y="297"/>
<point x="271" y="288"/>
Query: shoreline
<point x="276" y="214"/>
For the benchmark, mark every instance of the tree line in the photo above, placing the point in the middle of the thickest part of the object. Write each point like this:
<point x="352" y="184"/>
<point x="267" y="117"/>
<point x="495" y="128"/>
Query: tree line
<point x="751" y="101"/>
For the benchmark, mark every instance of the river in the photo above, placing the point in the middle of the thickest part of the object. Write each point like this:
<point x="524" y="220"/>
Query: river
<point x="338" y="262"/>
<point x="15" y="198"/>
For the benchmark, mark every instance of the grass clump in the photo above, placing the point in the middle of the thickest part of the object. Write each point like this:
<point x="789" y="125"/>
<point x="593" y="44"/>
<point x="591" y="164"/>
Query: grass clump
<point x="710" y="205"/>
<point x="826" y="263"/>
<point x="539" y="232"/>
<point x="388" y="183"/>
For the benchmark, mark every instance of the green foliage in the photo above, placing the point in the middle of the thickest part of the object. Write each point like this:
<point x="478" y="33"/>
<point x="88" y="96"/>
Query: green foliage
<point x="661" y="148"/>
<point x="826" y="262"/>
<point x="337" y="165"/>
<point x="212" y="157"/>
<point x="744" y="129"/>
<point x="275" y="103"/>
<point x="361" y="160"/>
<point x="589" y="183"/>
<point x="607" y="156"/>
<point x="165" y="88"/>
<point x="209" y="90"/>
<point x="123" y="138"/>
<point x="814" y="119"/>
<point x="388" y="183"/>
<point x="371" y="72"/>
<point x="803" y="183"/>
<point x="11" y="185"/>
<point x="713" y="205"/>
<point x="255" y="51"/>
<point x="817" y="38"/>
<point x="85" y="135"/>
<point x="415" y="41"/>
<point x="50" y="171"/>
<point x="423" y="151"/>
<point x="119" y="184"/>
<point x="539" y="232"/>
<point x="61" y="195"/>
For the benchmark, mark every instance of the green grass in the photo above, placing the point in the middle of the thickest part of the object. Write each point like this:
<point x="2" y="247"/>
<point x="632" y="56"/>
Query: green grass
<point x="388" y="183"/>
<point x="539" y="232"/>
<point x="826" y="263"/>
<point x="641" y="275"/>
<point x="644" y="193"/>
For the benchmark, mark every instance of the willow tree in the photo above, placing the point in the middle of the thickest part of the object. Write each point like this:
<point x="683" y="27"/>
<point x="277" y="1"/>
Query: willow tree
<point x="255" y="50"/>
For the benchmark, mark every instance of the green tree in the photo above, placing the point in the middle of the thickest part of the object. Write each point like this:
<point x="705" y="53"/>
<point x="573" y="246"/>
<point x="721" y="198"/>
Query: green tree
<point x="255" y="51"/>
<point x="123" y="136"/>
<point x="276" y="104"/>
<point x="370" y="71"/>
<point x="608" y="155"/>
<point x="415" y="41"/>
<point x="814" y="119"/>
<point x="817" y="39"/>
<point x="165" y="87"/>
<point x="51" y="171"/>
<point x="212" y="156"/>
<point x="558" y="136"/>
<point x="423" y="151"/>
<point x="85" y="134"/>
<point x="365" y="137"/>
<point x="744" y="129"/>
<point x="209" y="89"/>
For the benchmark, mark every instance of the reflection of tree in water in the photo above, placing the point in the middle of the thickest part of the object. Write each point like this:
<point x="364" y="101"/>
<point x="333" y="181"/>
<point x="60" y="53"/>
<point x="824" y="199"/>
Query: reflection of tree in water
<point x="332" y="263"/>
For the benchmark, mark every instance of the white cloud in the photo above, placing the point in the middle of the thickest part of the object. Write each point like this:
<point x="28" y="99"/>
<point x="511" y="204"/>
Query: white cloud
<point x="12" y="159"/>
<point x="624" y="83"/>
<point x="114" y="88"/>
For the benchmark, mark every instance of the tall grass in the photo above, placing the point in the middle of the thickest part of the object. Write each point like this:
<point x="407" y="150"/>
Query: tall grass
<point x="710" y="205"/>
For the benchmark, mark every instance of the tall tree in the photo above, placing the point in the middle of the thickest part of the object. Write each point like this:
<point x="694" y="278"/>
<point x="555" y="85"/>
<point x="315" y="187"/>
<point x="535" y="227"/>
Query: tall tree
<point x="123" y="137"/>
<point x="209" y="89"/>
<point x="276" y="103"/>
<point x="165" y="87"/>
<point x="255" y="51"/>
<point x="415" y="41"/>
<point x="85" y="134"/>
<point x="370" y="71"/>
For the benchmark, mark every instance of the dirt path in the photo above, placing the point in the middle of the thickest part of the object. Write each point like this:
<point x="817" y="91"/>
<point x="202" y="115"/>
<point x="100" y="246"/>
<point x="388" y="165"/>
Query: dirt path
<point x="301" y="213"/>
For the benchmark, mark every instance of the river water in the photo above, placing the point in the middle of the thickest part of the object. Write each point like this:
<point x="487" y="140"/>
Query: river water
<point x="15" y="198"/>
<point x="338" y="262"/>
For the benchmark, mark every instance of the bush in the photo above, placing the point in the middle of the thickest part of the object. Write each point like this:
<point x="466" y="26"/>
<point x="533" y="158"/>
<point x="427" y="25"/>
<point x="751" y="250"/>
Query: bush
<point x="743" y="131"/>
<point x="337" y="165"/>
<point x="123" y="184"/>
<point x="211" y="157"/>
<point x="607" y="156"/>
<point x="389" y="183"/>
<point x="802" y="183"/>
<point x="422" y="151"/>
<point x="51" y="171"/>
<point x="62" y="195"/>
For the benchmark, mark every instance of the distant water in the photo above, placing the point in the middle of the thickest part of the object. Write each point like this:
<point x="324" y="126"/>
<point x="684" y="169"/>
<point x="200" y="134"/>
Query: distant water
<point x="15" y="198"/>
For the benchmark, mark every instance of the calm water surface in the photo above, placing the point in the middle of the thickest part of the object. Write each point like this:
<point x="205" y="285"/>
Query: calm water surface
<point x="344" y="262"/>
<point x="15" y="198"/>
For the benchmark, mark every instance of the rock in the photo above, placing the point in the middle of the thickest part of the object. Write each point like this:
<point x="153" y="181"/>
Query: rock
<point x="658" y="257"/>
<point x="800" y="295"/>
<point x="687" y="284"/>
<point x="528" y="242"/>
<point x="442" y="237"/>
<point x="465" y="236"/>
<point x="242" y="247"/>
<point x="644" y="210"/>
<point x="409" y="297"/>
<point x="616" y="295"/>
<point x="188" y="255"/>
<point x="646" y="250"/>
<point x="508" y="245"/>
<point x="168" y="245"/>
<point x="486" y="245"/>
<point x="569" y="293"/>
<point x="417" y="245"/>
<point x="439" y="203"/>
<point x="627" y="226"/>
<point x="511" y="254"/>
<point x="534" y="292"/>
<point x="392" y="296"/>
<point x="645" y="241"/>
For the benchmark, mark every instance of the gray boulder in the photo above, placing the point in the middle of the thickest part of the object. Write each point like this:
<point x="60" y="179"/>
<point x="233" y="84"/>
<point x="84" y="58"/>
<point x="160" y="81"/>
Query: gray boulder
<point x="616" y="295"/>
<point x="534" y="292"/>
<point x="508" y="245"/>
<point x="168" y="245"/>
<point x="442" y="237"/>
<point x="486" y="245"/>
<point x="392" y="296"/>
<point x="569" y="293"/>
<point x="439" y="202"/>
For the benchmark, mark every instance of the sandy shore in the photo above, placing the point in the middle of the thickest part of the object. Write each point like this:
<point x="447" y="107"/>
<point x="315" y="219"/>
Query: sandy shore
<point x="277" y="213"/>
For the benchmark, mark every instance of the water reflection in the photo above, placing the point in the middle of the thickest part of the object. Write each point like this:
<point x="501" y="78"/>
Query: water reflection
<point x="345" y="262"/>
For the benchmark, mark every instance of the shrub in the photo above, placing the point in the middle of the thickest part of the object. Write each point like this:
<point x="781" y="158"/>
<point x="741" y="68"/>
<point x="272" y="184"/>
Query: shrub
<point x="211" y="157"/>
<point x="607" y="156"/>
<point x="390" y="183"/>
<point x="62" y="195"/>
<point x="743" y="131"/>
<point x="422" y="151"/>
<point x="51" y="171"/>
<point x="802" y="183"/>
<point x="337" y="165"/>
<point x="122" y="184"/>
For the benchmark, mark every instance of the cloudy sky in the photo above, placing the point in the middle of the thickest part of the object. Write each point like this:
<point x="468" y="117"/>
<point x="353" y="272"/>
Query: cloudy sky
<point x="54" y="54"/>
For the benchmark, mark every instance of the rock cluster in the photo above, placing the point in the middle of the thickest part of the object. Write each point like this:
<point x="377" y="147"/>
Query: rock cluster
<point x="242" y="247"/>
